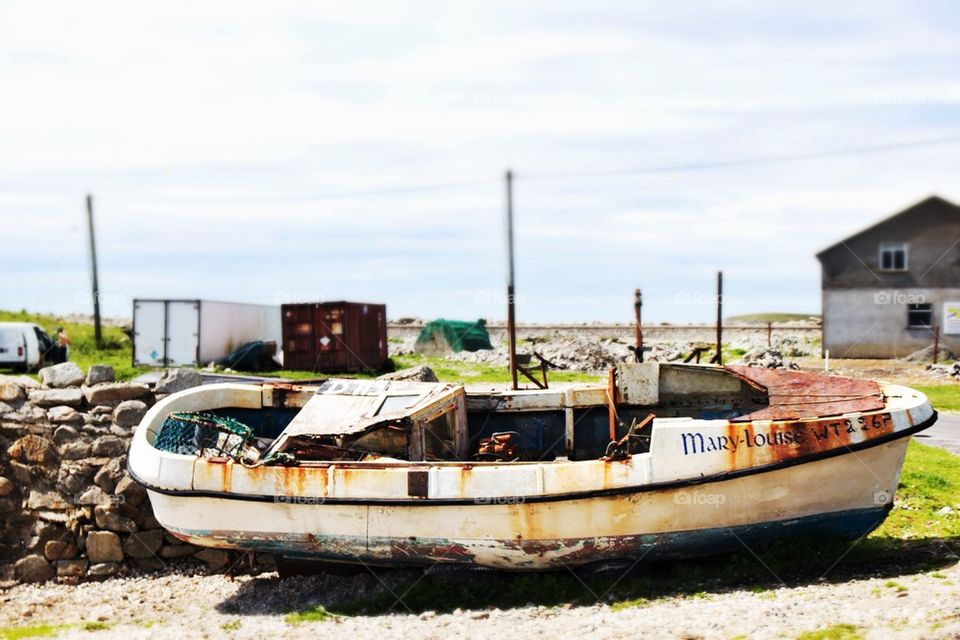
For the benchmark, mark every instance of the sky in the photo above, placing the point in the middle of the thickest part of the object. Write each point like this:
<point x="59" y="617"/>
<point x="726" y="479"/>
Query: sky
<point x="296" y="152"/>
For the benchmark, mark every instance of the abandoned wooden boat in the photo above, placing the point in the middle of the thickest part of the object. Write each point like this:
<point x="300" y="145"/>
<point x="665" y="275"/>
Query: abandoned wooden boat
<point x="664" y="461"/>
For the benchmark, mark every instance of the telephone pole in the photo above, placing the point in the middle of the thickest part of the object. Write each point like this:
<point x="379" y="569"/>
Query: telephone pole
<point x="97" y="335"/>
<point x="511" y="311"/>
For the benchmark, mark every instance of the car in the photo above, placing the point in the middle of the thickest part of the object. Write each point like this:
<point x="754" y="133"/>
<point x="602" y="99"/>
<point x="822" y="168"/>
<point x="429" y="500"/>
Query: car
<point x="24" y="346"/>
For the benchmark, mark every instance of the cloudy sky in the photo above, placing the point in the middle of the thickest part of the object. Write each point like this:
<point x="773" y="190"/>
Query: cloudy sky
<point x="304" y="151"/>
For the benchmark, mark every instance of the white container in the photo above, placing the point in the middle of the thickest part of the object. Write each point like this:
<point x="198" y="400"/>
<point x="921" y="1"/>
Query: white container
<point x="196" y="332"/>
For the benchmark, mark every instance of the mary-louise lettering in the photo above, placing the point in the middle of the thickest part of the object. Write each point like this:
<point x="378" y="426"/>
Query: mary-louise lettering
<point x="791" y="433"/>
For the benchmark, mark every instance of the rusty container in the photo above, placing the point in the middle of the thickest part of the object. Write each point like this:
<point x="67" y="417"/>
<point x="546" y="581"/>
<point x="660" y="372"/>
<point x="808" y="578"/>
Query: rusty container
<point x="334" y="337"/>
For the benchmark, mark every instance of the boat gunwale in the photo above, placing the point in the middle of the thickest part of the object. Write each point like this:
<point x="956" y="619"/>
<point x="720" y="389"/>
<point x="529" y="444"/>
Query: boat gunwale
<point x="555" y="497"/>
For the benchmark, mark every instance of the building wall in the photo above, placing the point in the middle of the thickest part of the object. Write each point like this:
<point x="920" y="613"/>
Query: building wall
<point x="872" y="322"/>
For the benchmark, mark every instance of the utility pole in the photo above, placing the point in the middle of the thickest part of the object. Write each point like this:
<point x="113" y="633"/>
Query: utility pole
<point x="637" y="307"/>
<point x="97" y="335"/>
<point x="511" y="311"/>
<point x="719" y="357"/>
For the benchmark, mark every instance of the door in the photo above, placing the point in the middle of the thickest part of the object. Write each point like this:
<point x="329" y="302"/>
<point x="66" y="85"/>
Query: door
<point x="183" y="332"/>
<point x="149" y="333"/>
<point x="166" y="332"/>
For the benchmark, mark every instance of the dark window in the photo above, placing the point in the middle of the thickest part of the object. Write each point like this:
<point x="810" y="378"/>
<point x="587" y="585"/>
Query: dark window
<point x="920" y="315"/>
<point x="893" y="257"/>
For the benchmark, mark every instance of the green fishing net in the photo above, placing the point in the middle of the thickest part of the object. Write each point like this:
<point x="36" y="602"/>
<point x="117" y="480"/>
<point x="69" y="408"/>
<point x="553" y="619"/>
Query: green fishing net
<point x="204" y="434"/>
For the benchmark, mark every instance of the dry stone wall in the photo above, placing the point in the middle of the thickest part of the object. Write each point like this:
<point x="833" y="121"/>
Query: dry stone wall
<point x="68" y="509"/>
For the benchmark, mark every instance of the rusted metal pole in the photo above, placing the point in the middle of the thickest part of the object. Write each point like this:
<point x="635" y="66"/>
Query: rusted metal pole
<point x="97" y="335"/>
<point x="719" y="356"/>
<point x="511" y="311"/>
<point x="936" y="343"/>
<point x="769" y="334"/>
<point x="637" y="306"/>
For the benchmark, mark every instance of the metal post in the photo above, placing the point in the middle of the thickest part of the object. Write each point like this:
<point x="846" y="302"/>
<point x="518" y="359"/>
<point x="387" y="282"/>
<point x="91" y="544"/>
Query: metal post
<point x="719" y="357"/>
<point x="769" y="334"/>
<point x="637" y="306"/>
<point x="97" y="336"/>
<point x="511" y="311"/>
<point x="936" y="343"/>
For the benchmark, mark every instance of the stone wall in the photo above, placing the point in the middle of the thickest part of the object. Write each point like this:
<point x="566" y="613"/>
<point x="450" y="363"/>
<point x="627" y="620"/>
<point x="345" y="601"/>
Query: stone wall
<point x="68" y="508"/>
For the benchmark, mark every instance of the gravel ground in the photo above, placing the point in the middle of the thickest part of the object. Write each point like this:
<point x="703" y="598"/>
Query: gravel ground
<point x="923" y="605"/>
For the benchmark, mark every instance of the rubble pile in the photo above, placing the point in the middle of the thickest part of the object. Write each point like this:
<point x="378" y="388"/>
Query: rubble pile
<point x="68" y="508"/>
<point x="768" y="359"/>
<point x="949" y="370"/>
<point x="926" y="355"/>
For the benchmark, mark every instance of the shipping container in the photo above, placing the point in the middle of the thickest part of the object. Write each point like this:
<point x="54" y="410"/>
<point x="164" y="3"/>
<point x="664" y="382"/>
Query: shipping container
<point x="334" y="337"/>
<point x="197" y="332"/>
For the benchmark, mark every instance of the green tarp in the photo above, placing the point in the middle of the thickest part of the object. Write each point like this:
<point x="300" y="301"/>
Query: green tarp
<point x="444" y="336"/>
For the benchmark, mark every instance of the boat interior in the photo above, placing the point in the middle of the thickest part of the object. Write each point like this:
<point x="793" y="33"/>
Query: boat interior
<point x="355" y="420"/>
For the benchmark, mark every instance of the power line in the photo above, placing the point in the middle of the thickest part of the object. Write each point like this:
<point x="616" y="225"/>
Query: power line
<point x="723" y="164"/>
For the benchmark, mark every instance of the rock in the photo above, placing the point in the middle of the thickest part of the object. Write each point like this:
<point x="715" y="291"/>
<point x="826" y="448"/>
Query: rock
<point x="143" y="544"/>
<point x="26" y="414"/>
<point x="20" y="473"/>
<point x="32" y="448"/>
<point x="46" y="500"/>
<point x="94" y="496"/>
<point x="100" y="373"/>
<point x="149" y="564"/>
<point x="104" y="546"/>
<point x="54" y="397"/>
<point x="113" y="393"/>
<point x="111" y="520"/>
<point x="59" y="376"/>
<point x="59" y="550"/>
<point x="109" y="446"/>
<point x="421" y="373"/>
<point x="101" y="410"/>
<point x="103" y="569"/>
<point x="10" y="392"/>
<point x="132" y="493"/>
<point x="33" y="568"/>
<point x="173" y="380"/>
<point x="6" y="487"/>
<point x="64" y="434"/>
<point x="24" y="382"/>
<point x="62" y="414"/>
<point x="215" y="559"/>
<point x="108" y="475"/>
<point x="172" y="552"/>
<point x="129" y="413"/>
<point x="76" y="450"/>
<point x="73" y="477"/>
<point x="71" y="568"/>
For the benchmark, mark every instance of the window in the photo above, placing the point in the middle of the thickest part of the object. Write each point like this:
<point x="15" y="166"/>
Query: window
<point x="920" y="315"/>
<point x="893" y="256"/>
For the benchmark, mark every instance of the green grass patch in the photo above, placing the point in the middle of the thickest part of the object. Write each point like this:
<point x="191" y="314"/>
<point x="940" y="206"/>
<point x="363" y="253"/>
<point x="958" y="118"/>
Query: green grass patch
<point x="836" y="632"/>
<point x="943" y="397"/>
<point x="32" y="631"/>
<point x="233" y="625"/>
<point x="930" y="481"/>
<point x="96" y="625"/>
<point x="316" y="613"/>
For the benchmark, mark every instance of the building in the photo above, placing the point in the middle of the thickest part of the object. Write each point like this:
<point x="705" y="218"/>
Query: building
<point x="890" y="287"/>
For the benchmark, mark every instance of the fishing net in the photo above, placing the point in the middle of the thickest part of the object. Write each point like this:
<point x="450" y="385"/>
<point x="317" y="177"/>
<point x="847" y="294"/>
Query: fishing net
<point x="207" y="435"/>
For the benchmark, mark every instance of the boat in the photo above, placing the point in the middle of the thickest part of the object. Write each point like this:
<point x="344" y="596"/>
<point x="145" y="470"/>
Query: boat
<point x="661" y="461"/>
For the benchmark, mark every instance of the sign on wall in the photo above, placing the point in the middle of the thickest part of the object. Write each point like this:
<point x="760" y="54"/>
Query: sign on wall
<point x="951" y="317"/>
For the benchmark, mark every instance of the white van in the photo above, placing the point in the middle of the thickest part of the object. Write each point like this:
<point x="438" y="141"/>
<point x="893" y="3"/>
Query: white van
<point x="23" y="345"/>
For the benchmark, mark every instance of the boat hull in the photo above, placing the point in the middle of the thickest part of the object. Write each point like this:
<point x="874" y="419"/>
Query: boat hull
<point x="845" y="496"/>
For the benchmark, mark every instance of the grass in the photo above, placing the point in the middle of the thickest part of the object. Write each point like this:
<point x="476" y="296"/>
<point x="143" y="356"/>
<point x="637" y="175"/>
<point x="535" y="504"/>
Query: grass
<point x="454" y="371"/>
<point x="943" y="397"/>
<point x="908" y="541"/>
<point x="233" y="625"/>
<point x="32" y="631"/>
<point x="317" y="613"/>
<point x="836" y="632"/>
